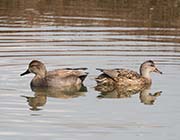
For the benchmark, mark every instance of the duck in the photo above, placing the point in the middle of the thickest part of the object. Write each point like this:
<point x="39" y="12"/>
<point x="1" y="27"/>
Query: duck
<point x="126" y="77"/>
<point x="58" y="78"/>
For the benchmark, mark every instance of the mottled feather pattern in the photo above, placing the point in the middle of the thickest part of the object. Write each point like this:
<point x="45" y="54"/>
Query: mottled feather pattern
<point x="119" y="77"/>
<point x="121" y="73"/>
<point x="125" y="73"/>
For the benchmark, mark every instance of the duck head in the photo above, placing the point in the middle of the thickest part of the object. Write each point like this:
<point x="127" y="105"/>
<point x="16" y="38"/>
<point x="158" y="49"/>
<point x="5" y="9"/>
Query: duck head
<point x="36" y="67"/>
<point x="147" y="67"/>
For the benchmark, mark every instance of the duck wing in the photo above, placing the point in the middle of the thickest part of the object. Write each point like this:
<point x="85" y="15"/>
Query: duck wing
<point x="75" y="68"/>
<point x="120" y="73"/>
<point x="67" y="74"/>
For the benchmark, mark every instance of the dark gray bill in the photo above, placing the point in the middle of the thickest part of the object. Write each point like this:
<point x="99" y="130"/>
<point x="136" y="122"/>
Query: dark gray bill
<point x="26" y="72"/>
<point x="158" y="71"/>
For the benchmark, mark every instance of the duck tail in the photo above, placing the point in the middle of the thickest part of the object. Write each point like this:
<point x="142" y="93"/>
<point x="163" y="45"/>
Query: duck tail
<point x="100" y="69"/>
<point x="103" y="79"/>
<point x="99" y="79"/>
<point x="83" y="77"/>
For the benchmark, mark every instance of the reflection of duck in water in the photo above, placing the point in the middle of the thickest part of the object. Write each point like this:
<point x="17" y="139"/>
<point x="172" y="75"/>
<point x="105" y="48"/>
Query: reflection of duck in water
<point x="36" y="101"/>
<point x="127" y="91"/>
<point x="147" y="98"/>
<point x="56" y="78"/>
<point x="116" y="91"/>
<point x="65" y="92"/>
<point x="125" y="77"/>
<point x="41" y="94"/>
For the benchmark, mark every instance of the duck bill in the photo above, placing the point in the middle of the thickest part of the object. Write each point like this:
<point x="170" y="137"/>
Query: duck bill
<point x="26" y="72"/>
<point x="157" y="71"/>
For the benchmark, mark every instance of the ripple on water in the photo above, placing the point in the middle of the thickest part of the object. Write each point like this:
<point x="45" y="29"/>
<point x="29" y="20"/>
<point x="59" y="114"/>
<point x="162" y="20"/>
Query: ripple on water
<point x="105" y="35"/>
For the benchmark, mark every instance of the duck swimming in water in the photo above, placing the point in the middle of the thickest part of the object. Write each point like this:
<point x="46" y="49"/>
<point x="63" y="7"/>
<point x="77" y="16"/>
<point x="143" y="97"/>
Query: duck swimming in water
<point x="56" y="78"/>
<point x="125" y="77"/>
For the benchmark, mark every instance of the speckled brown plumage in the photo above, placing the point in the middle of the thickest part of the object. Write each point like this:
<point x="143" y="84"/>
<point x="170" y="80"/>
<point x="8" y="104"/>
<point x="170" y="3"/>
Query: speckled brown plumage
<point x="128" y="77"/>
<point x="120" y="77"/>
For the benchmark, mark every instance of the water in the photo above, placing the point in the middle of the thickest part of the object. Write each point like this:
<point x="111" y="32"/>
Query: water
<point x="105" y="34"/>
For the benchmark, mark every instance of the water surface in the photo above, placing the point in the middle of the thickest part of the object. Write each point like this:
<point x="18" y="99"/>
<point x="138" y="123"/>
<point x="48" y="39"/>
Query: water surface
<point x="105" y="34"/>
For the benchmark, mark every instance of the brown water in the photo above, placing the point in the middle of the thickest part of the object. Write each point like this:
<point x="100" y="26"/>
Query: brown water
<point x="99" y="33"/>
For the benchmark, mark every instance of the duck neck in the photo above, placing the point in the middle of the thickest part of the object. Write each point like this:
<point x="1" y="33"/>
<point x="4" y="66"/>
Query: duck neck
<point x="38" y="80"/>
<point x="41" y="74"/>
<point x="145" y="74"/>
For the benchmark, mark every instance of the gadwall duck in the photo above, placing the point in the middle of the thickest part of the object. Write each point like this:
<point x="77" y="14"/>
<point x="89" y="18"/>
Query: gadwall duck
<point x="128" y="77"/>
<point x="55" y="78"/>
